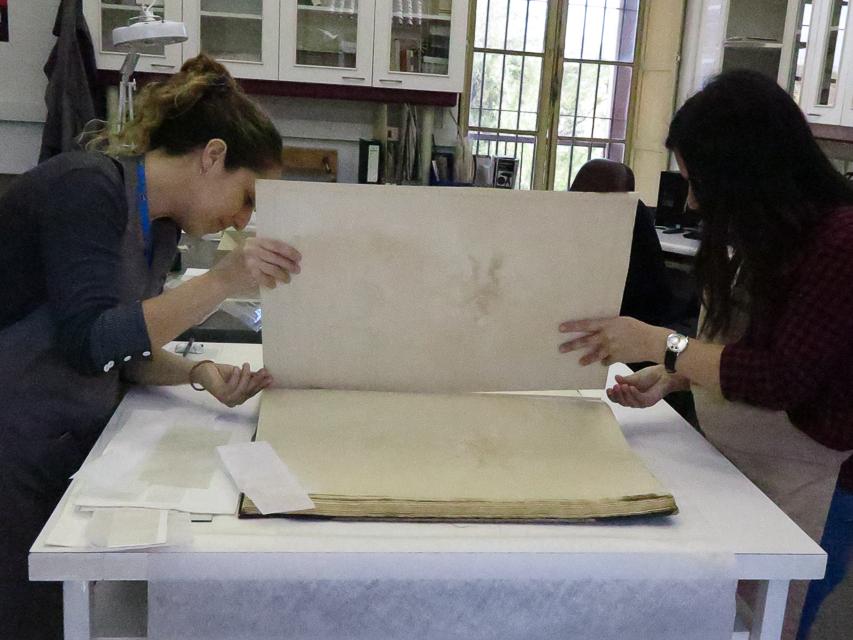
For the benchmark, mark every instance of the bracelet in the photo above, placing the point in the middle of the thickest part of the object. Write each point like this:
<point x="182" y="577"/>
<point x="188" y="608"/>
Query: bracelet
<point x="194" y="367"/>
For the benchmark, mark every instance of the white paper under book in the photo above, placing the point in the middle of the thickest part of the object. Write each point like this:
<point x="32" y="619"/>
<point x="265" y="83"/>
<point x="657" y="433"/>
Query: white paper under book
<point x="410" y="300"/>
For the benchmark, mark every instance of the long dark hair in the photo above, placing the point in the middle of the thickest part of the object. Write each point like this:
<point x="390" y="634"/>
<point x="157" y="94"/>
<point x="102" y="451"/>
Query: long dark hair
<point x="762" y="184"/>
<point x="192" y="107"/>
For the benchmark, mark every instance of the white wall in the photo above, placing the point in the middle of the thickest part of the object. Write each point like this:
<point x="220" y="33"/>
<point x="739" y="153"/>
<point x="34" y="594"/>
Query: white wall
<point x="22" y="82"/>
<point x="657" y="76"/>
<point x="20" y="143"/>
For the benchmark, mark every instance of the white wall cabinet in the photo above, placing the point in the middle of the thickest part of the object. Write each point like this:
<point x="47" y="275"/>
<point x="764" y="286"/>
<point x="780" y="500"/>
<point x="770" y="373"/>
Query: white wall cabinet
<point x="420" y="44"/>
<point x="391" y="44"/>
<point x="827" y="94"/>
<point x="242" y="34"/>
<point x="327" y="41"/>
<point x="103" y="16"/>
<point x="729" y="34"/>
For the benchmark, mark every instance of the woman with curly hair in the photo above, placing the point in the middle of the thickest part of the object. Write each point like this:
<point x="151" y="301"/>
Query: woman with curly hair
<point x="89" y="238"/>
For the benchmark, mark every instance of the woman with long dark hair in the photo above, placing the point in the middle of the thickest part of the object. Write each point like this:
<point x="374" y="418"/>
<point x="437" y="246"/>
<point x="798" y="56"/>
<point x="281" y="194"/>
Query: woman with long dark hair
<point x="772" y="368"/>
<point x="89" y="238"/>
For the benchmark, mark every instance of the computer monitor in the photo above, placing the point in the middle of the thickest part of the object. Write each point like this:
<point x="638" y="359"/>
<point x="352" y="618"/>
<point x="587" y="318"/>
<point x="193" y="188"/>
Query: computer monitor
<point x="672" y="200"/>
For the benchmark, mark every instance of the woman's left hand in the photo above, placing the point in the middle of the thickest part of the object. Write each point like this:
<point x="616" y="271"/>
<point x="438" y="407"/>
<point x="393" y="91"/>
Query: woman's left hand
<point x="231" y="385"/>
<point x="610" y="340"/>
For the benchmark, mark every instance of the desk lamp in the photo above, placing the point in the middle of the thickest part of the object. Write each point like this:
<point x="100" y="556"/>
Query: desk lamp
<point x="143" y="31"/>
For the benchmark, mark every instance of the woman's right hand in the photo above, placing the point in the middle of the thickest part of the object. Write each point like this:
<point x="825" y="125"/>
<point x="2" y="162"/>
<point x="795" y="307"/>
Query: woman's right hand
<point x="258" y="262"/>
<point x="646" y="387"/>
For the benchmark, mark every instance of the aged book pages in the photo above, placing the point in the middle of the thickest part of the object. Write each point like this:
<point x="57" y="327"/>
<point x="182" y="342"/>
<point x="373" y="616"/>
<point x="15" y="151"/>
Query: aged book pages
<point x="470" y="456"/>
<point x="430" y="289"/>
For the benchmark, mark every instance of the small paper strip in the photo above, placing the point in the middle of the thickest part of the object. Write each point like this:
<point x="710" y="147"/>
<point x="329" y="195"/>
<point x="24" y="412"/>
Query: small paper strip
<point x="259" y="473"/>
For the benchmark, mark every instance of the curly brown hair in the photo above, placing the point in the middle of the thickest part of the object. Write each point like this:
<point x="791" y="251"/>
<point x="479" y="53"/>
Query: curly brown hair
<point x="199" y="103"/>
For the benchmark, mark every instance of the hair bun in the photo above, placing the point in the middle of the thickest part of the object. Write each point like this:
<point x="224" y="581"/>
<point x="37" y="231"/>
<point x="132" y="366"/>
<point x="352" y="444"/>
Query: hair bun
<point x="203" y="64"/>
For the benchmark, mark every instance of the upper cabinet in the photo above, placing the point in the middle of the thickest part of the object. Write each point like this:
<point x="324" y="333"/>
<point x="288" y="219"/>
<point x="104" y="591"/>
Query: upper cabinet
<point x="738" y="34"/>
<point x="392" y="44"/>
<point x="328" y="41"/>
<point x="103" y="16"/>
<point x="826" y="93"/>
<point x="806" y="45"/>
<point x="420" y="44"/>
<point x="242" y="34"/>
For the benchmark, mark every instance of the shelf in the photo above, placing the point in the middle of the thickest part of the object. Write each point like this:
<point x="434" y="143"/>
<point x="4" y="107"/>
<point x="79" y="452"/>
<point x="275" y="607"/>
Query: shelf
<point x="124" y="7"/>
<point x="752" y="44"/>
<point x="443" y="17"/>
<point x="231" y="57"/>
<point x="835" y="140"/>
<point x="313" y="90"/>
<point x="230" y="16"/>
<point x="324" y="9"/>
<point x="832" y="132"/>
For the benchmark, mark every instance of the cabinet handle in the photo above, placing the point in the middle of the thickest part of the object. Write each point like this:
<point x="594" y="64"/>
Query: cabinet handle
<point x="353" y="78"/>
<point x="390" y="80"/>
<point x="162" y="66"/>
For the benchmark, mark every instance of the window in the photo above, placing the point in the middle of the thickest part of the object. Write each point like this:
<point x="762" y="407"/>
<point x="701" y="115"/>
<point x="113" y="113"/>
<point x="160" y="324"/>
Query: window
<point x="551" y="71"/>
<point x="506" y="74"/>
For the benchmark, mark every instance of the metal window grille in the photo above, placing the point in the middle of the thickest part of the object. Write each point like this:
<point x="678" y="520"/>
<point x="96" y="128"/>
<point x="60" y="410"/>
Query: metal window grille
<point x="591" y="91"/>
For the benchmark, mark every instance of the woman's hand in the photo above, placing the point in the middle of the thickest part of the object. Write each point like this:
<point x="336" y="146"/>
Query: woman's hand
<point x="610" y="340"/>
<point x="258" y="262"/>
<point x="646" y="387"/>
<point x="228" y="384"/>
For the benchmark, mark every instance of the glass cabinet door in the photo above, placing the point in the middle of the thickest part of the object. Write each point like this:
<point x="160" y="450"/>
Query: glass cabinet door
<point x="420" y="36"/>
<point x="421" y="43"/>
<point x="327" y="41"/>
<point x="242" y="34"/>
<point x="828" y="55"/>
<point x="830" y="59"/>
<point x="845" y="96"/>
<point x="103" y="16"/>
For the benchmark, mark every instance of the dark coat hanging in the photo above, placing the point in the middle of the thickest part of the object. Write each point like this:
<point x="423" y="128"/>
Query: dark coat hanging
<point x="73" y="97"/>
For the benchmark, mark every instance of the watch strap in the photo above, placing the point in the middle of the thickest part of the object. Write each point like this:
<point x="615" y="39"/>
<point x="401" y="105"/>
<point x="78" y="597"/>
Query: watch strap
<point x="669" y="359"/>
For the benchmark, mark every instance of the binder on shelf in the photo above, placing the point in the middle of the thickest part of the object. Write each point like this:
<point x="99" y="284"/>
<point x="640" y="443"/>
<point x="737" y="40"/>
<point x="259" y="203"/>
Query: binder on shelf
<point x="369" y="161"/>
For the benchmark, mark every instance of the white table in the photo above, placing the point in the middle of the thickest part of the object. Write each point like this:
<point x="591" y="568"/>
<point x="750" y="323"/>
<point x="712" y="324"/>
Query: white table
<point x="715" y="499"/>
<point x="677" y="244"/>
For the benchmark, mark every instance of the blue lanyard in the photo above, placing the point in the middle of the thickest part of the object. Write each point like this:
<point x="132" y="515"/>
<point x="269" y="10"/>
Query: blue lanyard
<point x="142" y="206"/>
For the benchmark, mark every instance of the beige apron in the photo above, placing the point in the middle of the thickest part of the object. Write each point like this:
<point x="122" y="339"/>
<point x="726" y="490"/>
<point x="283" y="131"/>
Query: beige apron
<point x="792" y="469"/>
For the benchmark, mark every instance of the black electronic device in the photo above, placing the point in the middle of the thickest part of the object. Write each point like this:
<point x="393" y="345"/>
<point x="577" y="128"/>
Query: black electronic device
<point x="369" y="162"/>
<point x="672" y="200"/>
<point x="672" y="211"/>
<point x="506" y="170"/>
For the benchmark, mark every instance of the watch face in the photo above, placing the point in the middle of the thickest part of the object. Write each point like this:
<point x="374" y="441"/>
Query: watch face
<point x="676" y="342"/>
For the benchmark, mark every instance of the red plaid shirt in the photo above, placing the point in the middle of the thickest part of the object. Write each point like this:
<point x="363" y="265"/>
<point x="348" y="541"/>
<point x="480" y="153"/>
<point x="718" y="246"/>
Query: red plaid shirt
<point x="800" y="359"/>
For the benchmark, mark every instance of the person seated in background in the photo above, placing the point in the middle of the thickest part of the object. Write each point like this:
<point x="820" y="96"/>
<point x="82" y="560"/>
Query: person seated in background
<point x="647" y="295"/>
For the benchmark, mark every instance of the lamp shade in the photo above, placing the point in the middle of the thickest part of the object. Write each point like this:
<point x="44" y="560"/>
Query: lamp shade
<point x="149" y="33"/>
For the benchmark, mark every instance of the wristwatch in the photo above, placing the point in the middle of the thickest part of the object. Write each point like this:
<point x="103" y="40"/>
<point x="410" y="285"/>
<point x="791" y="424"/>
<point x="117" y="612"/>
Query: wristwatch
<point x="675" y="344"/>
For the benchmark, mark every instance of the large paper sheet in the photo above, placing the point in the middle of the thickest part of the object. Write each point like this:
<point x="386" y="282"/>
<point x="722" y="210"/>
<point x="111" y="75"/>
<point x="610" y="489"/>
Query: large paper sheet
<point x="439" y="289"/>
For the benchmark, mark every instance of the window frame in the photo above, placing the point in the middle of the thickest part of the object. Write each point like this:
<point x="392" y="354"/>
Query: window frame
<point x="547" y="138"/>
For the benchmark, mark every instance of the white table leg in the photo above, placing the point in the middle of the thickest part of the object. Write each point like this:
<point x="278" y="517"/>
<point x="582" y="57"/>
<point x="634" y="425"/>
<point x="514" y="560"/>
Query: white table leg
<point x="770" y="600"/>
<point x="76" y="608"/>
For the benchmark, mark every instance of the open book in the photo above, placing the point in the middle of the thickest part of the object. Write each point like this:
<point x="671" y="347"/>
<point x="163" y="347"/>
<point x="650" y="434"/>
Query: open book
<point x="363" y="454"/>
<point x="409" y="300"/>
